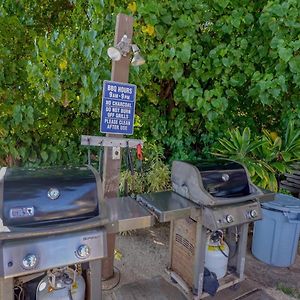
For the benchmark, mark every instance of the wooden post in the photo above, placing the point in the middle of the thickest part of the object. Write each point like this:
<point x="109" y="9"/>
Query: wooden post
<point x="112" y="167"/>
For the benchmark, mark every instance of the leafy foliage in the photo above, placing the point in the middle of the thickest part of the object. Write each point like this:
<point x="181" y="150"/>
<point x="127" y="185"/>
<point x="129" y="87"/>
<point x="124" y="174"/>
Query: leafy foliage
<point x="211" y="65"/>
<point x="266" y="157"/>
<point x="154" y="176"/>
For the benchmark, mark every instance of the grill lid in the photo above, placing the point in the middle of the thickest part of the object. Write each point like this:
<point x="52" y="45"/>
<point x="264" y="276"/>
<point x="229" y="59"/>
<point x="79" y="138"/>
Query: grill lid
<point x="32" y="197"/>
<point x="213" y="182"/>
<point x="223" y="178"/>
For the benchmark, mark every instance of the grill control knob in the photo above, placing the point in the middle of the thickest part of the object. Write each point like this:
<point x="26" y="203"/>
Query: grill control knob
<point x="83" y="251"/>
<point x="29" y="261"/>
<point x="229" y="218"/>
<point x="252" y="214"/>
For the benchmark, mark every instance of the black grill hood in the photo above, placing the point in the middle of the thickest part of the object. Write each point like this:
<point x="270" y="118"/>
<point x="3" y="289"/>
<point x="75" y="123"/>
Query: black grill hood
<point x="35" y="197"/>
<point x="213" y="182"/>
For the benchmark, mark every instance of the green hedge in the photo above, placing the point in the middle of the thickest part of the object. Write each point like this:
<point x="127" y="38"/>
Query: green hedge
<point x="211" y="65"/>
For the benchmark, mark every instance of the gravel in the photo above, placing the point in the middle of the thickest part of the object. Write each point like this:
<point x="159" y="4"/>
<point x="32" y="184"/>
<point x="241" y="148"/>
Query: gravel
<point x="145" y="254"/>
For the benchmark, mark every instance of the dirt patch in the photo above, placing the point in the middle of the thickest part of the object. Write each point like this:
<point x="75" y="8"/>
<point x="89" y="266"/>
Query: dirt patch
<point x="271" y="276"/>
<point x="145" y="254"/>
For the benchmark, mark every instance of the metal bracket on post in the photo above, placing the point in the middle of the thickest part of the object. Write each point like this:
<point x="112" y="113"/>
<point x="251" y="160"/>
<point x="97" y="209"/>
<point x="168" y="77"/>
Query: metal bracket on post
<point x="88" y="140"/>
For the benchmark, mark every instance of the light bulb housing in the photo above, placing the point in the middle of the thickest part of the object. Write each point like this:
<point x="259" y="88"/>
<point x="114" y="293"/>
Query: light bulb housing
<point x="137" y="59"/>
<point x="123" y="48"/>
<point x="114" y="53"/>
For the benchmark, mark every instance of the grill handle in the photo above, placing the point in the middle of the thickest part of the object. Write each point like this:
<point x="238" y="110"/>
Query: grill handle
<point x="293" y="217"/>
<point x="19" y="233"/>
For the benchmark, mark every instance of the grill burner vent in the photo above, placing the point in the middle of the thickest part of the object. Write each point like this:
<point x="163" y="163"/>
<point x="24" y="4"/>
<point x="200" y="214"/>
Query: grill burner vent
<point x="185" y="243"/>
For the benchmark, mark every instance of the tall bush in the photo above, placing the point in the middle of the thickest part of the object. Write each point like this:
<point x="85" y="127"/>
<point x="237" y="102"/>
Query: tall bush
<point x="211" y="65"/>
<point x="267" y="157"/>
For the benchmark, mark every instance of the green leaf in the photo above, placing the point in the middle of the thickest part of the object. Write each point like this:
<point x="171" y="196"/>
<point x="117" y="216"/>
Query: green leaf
<point x="294" y="64"/>
<point x="280" y="167"/>
<point x="277" y="9"/>
<point x="246" y="136"/>
<point x="249" y="19"/>
<point x="286" y="156"/>
<point x="278" y="142"/>
<point x="228" y="146"/>
<point x="285" y="53"/>
<point x="273" y="185"/>
<point x="259" y="171"/>
<point x="256" y="144"/>
<point x="223" y="3"/>
<point x="98" y="47"/>
<point x="44" y="156"/>
<point x="87" y="52"/>
<point x="185" y="53"/>
<point x="17" y="114"/>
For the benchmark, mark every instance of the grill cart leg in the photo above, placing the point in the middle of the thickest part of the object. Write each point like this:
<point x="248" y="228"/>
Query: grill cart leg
<point x="94" y="285"/>
<point x="6" y="289"/>
<point x="241" y="254"/>
<point x="232" y="242"/>
<point x="171" y="244"/>
<point x="199" y="260"/>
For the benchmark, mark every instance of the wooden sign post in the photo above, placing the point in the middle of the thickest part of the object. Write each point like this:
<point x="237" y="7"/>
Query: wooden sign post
<point x="112" y="166"/>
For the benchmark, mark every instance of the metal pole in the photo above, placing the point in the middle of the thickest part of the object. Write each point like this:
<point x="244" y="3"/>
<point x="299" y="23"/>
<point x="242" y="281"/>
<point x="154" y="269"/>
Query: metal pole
<point x="242" y="247"/>
<point x="94" y="291"/>
<point x="112" y="167"/>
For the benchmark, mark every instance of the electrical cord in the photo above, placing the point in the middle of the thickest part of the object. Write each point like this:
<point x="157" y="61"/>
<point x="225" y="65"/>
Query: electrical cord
<point x="116" y="284"/>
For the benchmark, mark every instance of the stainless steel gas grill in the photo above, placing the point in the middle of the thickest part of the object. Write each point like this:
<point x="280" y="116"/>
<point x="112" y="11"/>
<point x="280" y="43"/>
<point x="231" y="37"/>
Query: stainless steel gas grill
<point x="207" y="196"/>
<point x="49" y="219"/>
<point x="222" y="187"/>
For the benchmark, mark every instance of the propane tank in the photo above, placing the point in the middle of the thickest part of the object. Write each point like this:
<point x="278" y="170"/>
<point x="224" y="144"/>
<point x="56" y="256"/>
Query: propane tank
<point x="216" y="254"/>
<point x="61" y="283"/>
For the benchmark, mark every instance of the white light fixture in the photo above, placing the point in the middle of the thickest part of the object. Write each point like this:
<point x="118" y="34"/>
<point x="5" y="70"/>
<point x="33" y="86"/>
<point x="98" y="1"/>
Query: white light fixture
<point x="114" y="53"/>
<point x="123" y="48"/>
<point x="137" y="59"/>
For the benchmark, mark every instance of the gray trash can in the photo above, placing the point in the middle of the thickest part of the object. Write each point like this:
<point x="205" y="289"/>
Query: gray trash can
<point x="276" y="236"/>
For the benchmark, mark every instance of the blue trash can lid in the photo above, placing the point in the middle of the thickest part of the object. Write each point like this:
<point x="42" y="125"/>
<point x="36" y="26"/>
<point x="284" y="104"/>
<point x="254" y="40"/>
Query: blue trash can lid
<point x="283" y="202"/>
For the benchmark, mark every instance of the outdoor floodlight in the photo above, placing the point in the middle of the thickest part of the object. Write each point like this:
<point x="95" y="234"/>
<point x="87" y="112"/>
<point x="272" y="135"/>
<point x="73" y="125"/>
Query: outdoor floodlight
<point x="137" y="59"/>
<point x="114" y="53"/>
<point x="123" y="48"/>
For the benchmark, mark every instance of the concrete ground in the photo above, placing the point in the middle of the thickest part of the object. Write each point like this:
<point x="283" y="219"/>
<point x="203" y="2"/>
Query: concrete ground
<point x="144" y="255"/>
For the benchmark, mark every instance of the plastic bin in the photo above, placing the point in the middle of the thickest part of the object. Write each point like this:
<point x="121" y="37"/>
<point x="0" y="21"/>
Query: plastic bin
<point x="276" y="236"/>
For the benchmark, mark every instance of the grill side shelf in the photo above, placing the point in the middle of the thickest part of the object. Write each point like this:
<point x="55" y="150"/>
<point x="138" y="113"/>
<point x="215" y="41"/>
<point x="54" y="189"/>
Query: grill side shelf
<point x="126" y="214"/>
<point x="167" y="206"/>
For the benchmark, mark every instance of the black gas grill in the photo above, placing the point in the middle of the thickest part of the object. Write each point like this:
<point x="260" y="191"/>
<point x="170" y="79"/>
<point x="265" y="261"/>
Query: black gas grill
<point x="214" y="195"/>
<point x="50" y="218"/>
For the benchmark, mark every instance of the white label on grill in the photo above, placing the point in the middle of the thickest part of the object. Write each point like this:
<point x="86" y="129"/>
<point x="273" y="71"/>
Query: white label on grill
<point x="21" y="212"/>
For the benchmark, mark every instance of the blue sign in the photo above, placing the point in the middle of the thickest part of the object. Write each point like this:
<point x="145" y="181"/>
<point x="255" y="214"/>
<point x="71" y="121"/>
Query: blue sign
<point x="118" y="106"/>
